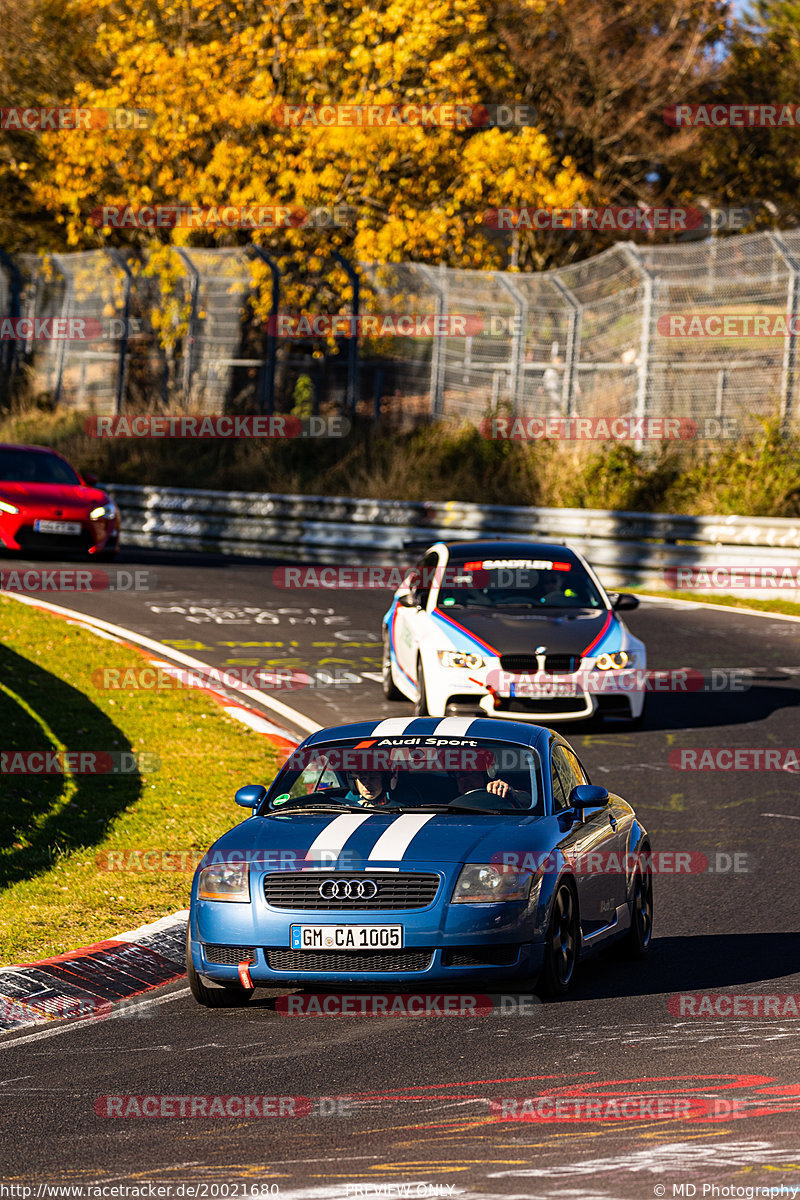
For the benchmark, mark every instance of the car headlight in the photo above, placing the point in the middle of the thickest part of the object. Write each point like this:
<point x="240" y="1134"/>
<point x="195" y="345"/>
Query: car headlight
<point x="614" y="662"/>
<point x="457" y="658"/>
<point x="8" y="508"/>
<point x="226" y="881"/>
<point x="482" y="883"/>
<point x="109" y="511"/>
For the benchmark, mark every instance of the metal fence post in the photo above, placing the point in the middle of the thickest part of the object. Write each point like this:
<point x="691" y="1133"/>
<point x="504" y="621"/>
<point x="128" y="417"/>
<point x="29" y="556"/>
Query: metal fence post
<point x="266" y="383"/>
<point x="188" y="357"/>
<point x="645" y="346"/>
<point x="439" y="287"/>
<point x="122" y="366"/>
<point x="789" y="366"/>
<point x="572" y="349"/>
<point x="517" y="344"/>
<point x="352" y="345"/>
<point x="8" y="349"/>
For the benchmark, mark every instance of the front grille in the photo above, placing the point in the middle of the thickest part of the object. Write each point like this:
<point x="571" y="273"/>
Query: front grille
<point x="561" y="664"/>
<point x="29" y="539"/>
<point x="551" y="705"/>
<point x="554" y="664"/>
<point x="347" y="960"/>
<point x="396" y="889"/>
<point x="481" y="956"/>
<point x="229" y="956"/>
<point x="516" y="663"/>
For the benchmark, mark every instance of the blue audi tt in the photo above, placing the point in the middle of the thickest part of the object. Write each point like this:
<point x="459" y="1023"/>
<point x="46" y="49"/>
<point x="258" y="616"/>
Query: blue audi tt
<point x="419" y="852"/>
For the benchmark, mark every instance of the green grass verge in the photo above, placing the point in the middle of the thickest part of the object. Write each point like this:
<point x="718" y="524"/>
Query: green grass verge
<point x="55" y="829"/>
<point x="730" y="601"/>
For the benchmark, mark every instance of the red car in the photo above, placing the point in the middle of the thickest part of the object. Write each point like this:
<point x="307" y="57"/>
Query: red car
<point x="45" y="505"/>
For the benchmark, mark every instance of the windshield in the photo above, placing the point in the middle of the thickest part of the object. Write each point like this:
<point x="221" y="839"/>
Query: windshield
<point x="410" y="774"/>
<point x="30" y="466"/>
<point x="517" y="583"/>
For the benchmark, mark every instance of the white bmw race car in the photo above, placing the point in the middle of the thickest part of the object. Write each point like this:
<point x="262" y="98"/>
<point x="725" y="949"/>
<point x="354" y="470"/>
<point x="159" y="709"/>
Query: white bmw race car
<point x="511" y="629"/>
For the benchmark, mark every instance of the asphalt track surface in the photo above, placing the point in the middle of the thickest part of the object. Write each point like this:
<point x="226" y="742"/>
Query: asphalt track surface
<point x="418" y="1120"/>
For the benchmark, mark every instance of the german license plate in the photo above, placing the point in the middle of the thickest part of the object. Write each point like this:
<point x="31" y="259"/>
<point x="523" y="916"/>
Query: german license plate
<point x="347" y="937"/>
<point x="57" y="526"/>
<point x="533" y="687"/>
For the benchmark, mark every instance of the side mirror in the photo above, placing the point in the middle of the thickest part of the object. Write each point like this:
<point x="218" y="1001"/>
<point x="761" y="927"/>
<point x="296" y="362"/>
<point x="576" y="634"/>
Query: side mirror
<point x="588" y="795"/>
<point x="89" y="479"/>
<point x="251" y="795"/>
<point x="407" y="600"/>
<point x="625" y="601"/>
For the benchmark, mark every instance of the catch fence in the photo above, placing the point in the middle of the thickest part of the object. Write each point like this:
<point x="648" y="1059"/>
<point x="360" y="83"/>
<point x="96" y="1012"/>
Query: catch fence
<point x="189" y="329"/>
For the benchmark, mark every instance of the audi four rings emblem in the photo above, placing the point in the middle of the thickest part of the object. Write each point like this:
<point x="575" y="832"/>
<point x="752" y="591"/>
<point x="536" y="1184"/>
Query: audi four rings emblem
<point x="348" y="889"/>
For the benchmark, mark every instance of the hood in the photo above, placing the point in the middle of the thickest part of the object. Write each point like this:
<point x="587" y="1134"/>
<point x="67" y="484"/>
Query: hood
<point x="521" y="630"/>
<point x="66" y="495"/>
<point x="406" y="839"/>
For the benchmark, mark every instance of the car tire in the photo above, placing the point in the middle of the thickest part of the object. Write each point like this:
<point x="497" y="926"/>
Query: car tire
<point x="638" y="722"/>
<point x="562" y="945"/>
<point x="421" y="702"/>
<point x="226" y="995"/>
<point x="637" y="940"/>
<point x="390" y="689"/>
<point x="106" y="556"/>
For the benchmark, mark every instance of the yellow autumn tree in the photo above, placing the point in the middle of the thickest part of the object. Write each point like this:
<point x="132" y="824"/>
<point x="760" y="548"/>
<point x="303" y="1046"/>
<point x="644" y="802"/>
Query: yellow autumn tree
<point x="216" y="77"/>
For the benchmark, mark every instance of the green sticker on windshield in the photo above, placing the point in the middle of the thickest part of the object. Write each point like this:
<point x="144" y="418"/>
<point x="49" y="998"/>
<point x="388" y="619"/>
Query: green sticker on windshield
<point x="448" y="601"/>
<point x="281" y="799"/>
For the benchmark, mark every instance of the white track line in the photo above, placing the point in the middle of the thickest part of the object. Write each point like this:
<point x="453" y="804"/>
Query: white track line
<point x="12" y="1041"/>
<point x="748" y="612"/>
<point x="105" y="627"/>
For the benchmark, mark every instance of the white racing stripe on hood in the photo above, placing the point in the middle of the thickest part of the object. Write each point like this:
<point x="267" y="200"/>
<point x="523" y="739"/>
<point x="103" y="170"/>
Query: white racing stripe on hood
<point x="392" y="726"/>
<point x="452" y="726"/>
<point x="330" y="842"/>
<point x="394" y="841"/>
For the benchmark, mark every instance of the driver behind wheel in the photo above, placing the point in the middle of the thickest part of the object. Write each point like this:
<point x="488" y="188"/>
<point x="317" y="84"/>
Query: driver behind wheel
<point x="478" y="781"/>
<point x="371" y="789"/>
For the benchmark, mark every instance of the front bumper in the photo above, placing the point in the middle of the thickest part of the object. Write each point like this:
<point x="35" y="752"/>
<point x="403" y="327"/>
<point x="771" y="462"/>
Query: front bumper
<point x="564" y="697"/>
<point x="18" y="533"/>
<point x="442" y="943"/>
